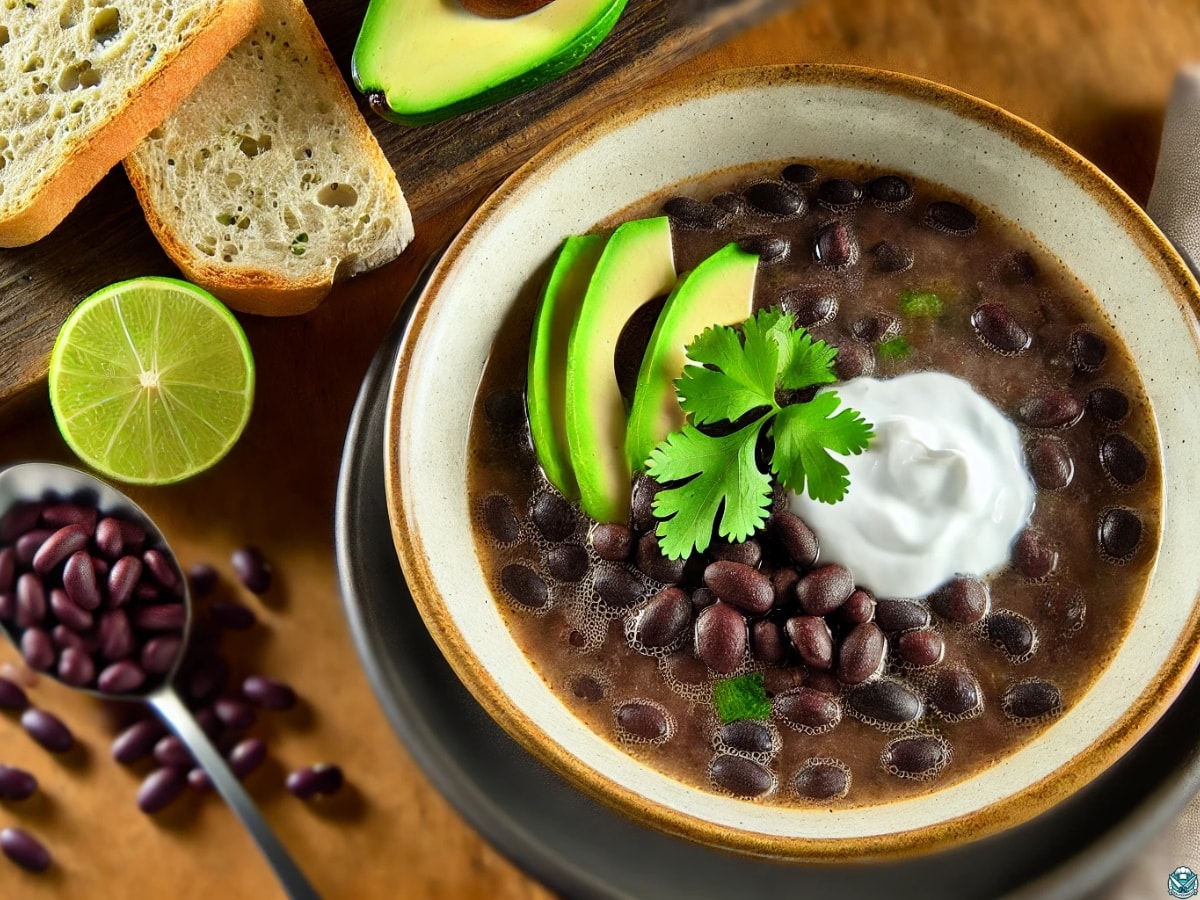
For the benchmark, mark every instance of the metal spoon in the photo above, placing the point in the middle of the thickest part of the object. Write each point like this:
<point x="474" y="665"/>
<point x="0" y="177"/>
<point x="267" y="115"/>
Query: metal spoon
<point x="37" y="481"/>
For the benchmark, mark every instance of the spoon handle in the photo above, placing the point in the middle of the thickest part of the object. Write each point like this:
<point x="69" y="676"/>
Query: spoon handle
<point x="179" y="719"/>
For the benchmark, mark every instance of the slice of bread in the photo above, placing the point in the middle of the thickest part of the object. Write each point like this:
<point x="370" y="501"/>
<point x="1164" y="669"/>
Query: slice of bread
<point x="82" y="82"/>
<point x="266" y="185"/>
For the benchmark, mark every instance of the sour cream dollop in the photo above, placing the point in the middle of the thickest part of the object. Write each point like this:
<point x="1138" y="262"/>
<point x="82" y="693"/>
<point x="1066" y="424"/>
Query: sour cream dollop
<point x="942" y="490"/>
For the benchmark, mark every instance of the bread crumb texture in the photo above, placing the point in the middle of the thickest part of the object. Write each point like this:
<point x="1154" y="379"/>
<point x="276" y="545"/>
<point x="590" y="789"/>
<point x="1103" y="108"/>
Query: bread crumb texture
<point x="68" y="67"/>
<point x="267" y="173"/>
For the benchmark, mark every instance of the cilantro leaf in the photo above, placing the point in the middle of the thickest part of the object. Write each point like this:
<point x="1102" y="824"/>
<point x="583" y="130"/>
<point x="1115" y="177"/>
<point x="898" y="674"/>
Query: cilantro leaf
<point x="807" y="362"/>
<point x="804" y="434"/>
<point x="895" y="347"/>
<point x="744" y="697"/>
<point x="920" y="304"/>
<point x="725" y="481"/>
<point x="743" y="378"/>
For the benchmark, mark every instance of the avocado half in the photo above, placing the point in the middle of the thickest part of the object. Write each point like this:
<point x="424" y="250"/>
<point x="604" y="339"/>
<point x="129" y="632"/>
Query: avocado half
<point x="421" y="61"/>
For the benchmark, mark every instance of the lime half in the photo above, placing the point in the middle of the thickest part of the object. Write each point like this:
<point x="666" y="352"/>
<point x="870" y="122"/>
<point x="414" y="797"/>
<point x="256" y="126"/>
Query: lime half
<point x="151" y="380"/>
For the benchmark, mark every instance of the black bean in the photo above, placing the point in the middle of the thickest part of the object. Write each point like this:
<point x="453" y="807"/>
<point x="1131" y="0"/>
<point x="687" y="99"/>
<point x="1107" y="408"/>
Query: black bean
<point x="76" y="667"/>
<point x="955" y="694"/>
<point x="740" y="585"/>
<point x="769" y="248"/>
<point x="1012" y="633"/>
<point x="110" y="540"/>
<point x="617" y="587"/>
<point x="1031" y="701"/>
<point x="12" y="695"/>
<point x="876" y="328"/>
<point x="1050" y="462"/>
<point x="234" y="713"/>
<point x="808" y="709"/>
<point x="505" y="408"/>
<point x="60" y="545"/>
<point x="740" y="776"/>
<point x="747" y="736"/>
<point x="796" y="537"/>
<point x="38" y="649"/>
<point x="835" y="246"/>
<point x="890" y="192"/>
<point x="891" y="258"/>
<point x="172" y="752"/>
<point x="702" y="597"/>
<point x="1088" y="349"/>
<point x="781" y="681"/>
<point x="950" y="218"/>
<point x="16" y="784"/>
<point x="652" y="562"/>
<point x="1034" y="556"/>
<point x="920" y="756"/>
<point x="839" y="194"/>
<point x="1119" y="533"/>
<point x="48" y="730"/>
<point x="1065" y="608"/>
<point x="252" y="569"/>
<point x="721" y="637"/>
<point x="641" y="503"/>
<point x="612" y="541"/>
<point x="1108" y="405"/>
<point x="160" y="788"/>
<point x="686" y="212"/>
<point x="886" y="701"/>
<point x="824" y="589"/>
<point x="767" y="643"/>
<point x="160" y="617"/>
<point x="861" y="653"/>
<point x="122" y="579"/>
<point x="524" y="585"/>
<point x="136" y="741"/>
<point x="1017" y="267"/>
<point x="202" y="579"/>
<point x="731" y="203"/>
<point x="230" y="614"/>
<point x="566" y="562"/>
<point x="121" y="677"/>
<point x="858" y="608"/>
<point x="643" y="719"/>
<point x="923" y="647"/>
<point x="783" y="583"/>
<point x="25" y="850"/>
<point x="31" y="601"/>
<point x="553" y="516"/>
<point x="810" y="306"/>
<point x="963" y="600"/>
<point x="800" y="173"/>
<point x="159" y="654"/>
<point x="587" y="687"/>
<point x="1055" y="409"/>
<point x="820" y="779"/>
<point x="854" y="359"/>
<point x="812" y="639"/>
<point x="663" y="618"/>
<point x="998" y="330"/>
<point x="1122" y="460"/>
<point x="774" y="198"/>
<point x="247" y="755"/>
<point x="748" y="552"/>
<point x="897" y="615"/>
<point x="29" y="543"/>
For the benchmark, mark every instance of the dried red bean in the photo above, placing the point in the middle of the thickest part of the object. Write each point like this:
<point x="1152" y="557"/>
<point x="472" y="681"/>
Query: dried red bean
<point x="122" y="579"/>
<point x="38" y="649"/>
<point x="824" y="589"/>
<point x="268" y="693"/>
<point x="58" y="546"/>
<point x="12" y="695"/>
<point x="740" y="776"/>
<point x="783" y="583"/>
<point x="835" y="246"/>
<point x="160" y="617"/>
<point x="56" y="515"/>
<point x="234" y="713"/>
<point x="207" y="719"/>
<point x="202" y="579"/>
<point x="48" y="730"/>
<point x="116" y="635"/>
<point x="252" y="569"/>
<point x="721" y="637"/>
<point x="8" y="569"/>
<point x="16" y="784"/>
<point x="79" y="581"/>
<point x="769" y="248"/>
<point x="797" y="538"/>
<point x="320" y="780"/>
<point x="198" y="780"/>
<point x="76" y="667"/>
<point x="500" y="519"/>
<point x="246" y="756"/>
<point x="31" y="601"/>
<point x="18" y="520"/>
<point x="809" y="709"/>
<point x="161" y="568"/>
<point x="133" y="535"/>
<point x="8" y="607"/>
<point x="206" y="681"/>
<point x="858" y="608"/>
<point x="63" y="637"/>
<point x="861" y="654"/>
<point x="68" y="613"/>
<point x="121" y="677"/>
<point x="229" y="614"/>
<point x="160" y="788"/>
<point x="28" y="545"/>
<point x="159" y="654"/>
<point x="612" y="542"/>
<point x="136" y="741"/>
<point x="25" y="850"/>
<point x="812" y="639"/>
<point x="109" y="537"/>
<point x="171" y="751"/>
<point x="748" y="552"/>
<point x="963" y="600"/>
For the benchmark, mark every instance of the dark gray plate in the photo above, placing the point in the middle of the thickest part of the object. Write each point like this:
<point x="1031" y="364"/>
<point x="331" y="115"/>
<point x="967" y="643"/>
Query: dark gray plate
<point x="582" y="849"/>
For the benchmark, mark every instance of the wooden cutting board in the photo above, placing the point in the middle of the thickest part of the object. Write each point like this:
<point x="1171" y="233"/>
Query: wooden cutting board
<point x="106" y="239"/>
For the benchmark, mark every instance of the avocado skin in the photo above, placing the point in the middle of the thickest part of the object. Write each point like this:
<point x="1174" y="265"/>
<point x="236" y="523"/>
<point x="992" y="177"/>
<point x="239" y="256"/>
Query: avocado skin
<point x="563" y="61"/>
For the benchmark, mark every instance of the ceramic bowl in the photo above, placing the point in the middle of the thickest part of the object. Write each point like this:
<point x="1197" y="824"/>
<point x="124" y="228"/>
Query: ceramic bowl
<point x="893" y="122"/>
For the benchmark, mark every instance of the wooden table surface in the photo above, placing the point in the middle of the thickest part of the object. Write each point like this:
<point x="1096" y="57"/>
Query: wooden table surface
<point x="1093" y="72"/>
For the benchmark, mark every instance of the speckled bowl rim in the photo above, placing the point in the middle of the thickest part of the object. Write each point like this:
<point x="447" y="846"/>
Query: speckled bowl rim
<point x="1151" y="702"/>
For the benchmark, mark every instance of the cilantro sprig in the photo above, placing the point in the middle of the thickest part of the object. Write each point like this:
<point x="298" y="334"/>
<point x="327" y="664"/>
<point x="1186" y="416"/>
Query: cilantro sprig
<point x="734" y="380"/>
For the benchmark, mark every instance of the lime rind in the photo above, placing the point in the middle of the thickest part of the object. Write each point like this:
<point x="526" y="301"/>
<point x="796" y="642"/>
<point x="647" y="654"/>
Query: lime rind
<point x="151" y="380"/>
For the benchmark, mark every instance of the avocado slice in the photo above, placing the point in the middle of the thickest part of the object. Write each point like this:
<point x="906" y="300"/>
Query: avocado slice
<point x="637" y="265"/>
<point x="547" y="383"/>
<point x="719" y="291"/>
<point x="420" y="61"/>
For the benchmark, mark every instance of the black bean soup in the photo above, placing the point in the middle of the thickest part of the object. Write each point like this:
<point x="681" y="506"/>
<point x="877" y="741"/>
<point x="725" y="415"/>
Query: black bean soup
<point x="636" y="645"/>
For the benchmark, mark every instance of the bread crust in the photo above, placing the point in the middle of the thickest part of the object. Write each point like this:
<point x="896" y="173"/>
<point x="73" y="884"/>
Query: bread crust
<point x="90" y="159"/>
<point x="254" y="289"/>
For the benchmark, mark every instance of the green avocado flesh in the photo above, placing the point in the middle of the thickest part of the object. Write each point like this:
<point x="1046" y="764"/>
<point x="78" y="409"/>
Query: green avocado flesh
<point x="719" y="291"/>
<point x="421" y="61"/>
<point x="547" y="383"/>
<point x="637" y="265"/>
